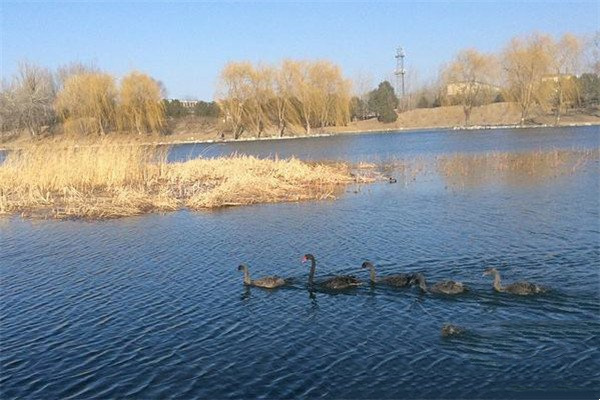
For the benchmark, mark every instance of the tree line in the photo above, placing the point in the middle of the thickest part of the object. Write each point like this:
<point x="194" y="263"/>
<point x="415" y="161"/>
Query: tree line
<point x="80" y="99"/>
<point x="535" y="72"/>
<point x="531" y="71"/>
<point x="175" y="108"/>
<point x="303" y="94"/>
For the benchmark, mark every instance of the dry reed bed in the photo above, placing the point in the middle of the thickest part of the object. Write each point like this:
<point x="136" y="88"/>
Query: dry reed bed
<point x="113" y="180"/>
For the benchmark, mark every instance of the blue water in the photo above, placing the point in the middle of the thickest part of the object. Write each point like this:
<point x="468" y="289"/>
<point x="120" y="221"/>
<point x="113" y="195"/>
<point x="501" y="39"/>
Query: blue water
<point x="154" y="307"/>
<point x="391" y="145"/>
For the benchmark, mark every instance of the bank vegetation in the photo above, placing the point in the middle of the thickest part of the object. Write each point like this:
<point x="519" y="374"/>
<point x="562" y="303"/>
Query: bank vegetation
<point x="111" y="179"/>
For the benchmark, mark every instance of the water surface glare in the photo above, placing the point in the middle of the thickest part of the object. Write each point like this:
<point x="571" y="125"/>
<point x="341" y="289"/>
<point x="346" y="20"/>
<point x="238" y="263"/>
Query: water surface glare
<point x="154" y="307"/>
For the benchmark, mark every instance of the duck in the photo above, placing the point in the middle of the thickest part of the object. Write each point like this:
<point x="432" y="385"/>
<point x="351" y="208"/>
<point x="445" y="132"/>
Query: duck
<point x="452" y="330"/>
<point x="339" y="282"/>
<point x="444" y="287"/>
<point x="522" y="288"/>
<point x="391" y="179"/>
<point x="398" y="280"/>
<point x="267" y="282"/>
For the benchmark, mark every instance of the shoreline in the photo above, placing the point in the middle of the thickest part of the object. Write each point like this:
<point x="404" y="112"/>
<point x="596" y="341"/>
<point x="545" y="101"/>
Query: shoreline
<point x="353" y="132"/>
<point x="367" y="131"/>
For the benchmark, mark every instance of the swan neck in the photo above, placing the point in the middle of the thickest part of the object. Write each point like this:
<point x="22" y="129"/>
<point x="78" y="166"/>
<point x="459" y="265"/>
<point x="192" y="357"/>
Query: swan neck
<point x="422" y="283"/>
<point x="497" y="284"/>
<point x="372" y="273"/>
<point x="311" y="275"/>
<point x="247" y="280"/>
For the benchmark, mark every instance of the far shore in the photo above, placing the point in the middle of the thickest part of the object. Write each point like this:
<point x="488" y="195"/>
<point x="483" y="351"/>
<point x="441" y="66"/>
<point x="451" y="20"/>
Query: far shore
<point x="177" y="141"/>
<point x="192" y="130"/>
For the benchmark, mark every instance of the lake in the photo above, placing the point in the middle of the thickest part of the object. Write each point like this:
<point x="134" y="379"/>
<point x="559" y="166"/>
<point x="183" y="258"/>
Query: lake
<point x="154" y="307"/>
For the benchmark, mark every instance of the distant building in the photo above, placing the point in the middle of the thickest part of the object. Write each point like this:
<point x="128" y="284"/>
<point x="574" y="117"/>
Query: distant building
<point x="189" y="103"/>
<point x="554" y="77"/>
<point x="456" y="88"/>
<point x="186" y="103"/>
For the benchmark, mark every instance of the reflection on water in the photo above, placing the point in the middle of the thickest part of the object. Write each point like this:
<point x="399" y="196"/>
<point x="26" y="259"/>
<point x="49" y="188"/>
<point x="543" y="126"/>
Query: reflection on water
<point x="154" y="306"/>
<point x="527" y="168"/>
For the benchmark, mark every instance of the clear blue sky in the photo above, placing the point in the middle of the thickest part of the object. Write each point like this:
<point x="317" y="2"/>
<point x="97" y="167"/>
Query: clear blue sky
<point x="186" y="44"/>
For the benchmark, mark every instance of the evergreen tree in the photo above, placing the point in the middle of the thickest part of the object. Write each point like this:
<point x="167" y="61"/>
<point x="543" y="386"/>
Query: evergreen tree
<point x="589" y="86"/>
<point x="174" y="108"/>
<point x="206" y="109"/>
<point x="383" y="102"/>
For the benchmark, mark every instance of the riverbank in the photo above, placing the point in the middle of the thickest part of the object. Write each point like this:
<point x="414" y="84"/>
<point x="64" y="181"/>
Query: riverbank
<point x="490" y="116"/>
<point x="450" y="118"/>
<point x="111" y="180"/>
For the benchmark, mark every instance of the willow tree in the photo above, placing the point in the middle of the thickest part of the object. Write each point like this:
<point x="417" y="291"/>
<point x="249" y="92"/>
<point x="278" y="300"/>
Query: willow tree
<point x="260" y="92"/>
<point x="297" y="92"/>
<point x="140" y="104"/>
<point x="301" y="91"/>
<point x="470" y="75"/>
<point x="65" y="71"/>
<point x="282" y="107"/>
<point x="330" y="94"/>
<point x="87" y="103"/>
<point x="234" y="97"/>
<point x="526" y="61"/>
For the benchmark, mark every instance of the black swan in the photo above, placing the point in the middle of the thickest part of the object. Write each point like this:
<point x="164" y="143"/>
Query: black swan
<point x="521" y="288"/>
<point x="399" y="280"/>
<point x="268" y="282"/>
<point x="335" y="283"/>
<point x="444" y="287"/>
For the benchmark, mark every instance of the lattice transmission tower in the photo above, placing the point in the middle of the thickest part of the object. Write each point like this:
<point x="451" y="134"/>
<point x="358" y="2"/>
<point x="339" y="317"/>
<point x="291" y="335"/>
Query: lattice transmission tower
<point x="400" y="72"/>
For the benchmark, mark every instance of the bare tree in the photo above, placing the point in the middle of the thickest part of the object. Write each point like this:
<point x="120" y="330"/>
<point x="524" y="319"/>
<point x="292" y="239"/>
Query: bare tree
<point x="591" y="53"/>
<point x="526" y="61"/>
<point x="469" y="80"/>
<point x="565" y="63"/>
<point x="8" y="115"/>
<point x="27" y="101"/>
<point x="362" y="84"/>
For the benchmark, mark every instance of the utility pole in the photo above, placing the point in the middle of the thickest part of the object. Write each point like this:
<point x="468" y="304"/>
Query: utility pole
<point x="400" y="72"/>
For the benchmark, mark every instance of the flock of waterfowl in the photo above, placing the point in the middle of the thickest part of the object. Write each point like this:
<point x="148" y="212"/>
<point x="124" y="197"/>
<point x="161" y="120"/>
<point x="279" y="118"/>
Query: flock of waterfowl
<point x="344" y="282"/>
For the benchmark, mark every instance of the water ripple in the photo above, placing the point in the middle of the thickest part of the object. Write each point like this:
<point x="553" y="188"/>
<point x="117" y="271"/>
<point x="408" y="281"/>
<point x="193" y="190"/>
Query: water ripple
<point x="153" y="306"/>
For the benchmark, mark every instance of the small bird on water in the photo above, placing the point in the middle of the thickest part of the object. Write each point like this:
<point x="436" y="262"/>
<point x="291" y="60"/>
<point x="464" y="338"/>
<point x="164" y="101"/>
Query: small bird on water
<point x="451" y="330"/>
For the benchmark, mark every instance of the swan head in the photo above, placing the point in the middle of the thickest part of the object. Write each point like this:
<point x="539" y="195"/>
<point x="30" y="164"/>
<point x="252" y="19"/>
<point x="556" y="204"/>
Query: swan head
<point x="308" y="257"/>
<point x="242" y="267"/>
<point x="368" y="264"/>
<point x="490" y="271"/>
<point x="417" y="278"/>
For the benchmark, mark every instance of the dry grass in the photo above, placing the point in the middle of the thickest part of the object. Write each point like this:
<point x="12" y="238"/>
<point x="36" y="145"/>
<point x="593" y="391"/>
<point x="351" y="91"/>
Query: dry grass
<point x="110" y="180"/>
